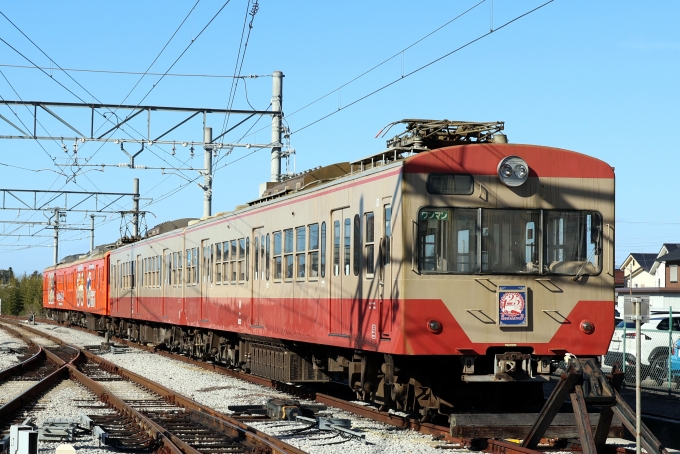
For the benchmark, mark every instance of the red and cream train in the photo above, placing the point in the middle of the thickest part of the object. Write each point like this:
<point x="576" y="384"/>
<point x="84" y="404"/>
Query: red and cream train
<point x="449" y="263"/>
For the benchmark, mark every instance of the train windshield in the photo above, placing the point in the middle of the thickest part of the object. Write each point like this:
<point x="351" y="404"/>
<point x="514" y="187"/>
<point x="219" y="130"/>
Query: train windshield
<point x="469" y="241"/>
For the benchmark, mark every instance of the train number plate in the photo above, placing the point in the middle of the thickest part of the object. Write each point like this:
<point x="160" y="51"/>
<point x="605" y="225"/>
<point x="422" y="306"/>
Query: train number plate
<point x="512" y="305"/>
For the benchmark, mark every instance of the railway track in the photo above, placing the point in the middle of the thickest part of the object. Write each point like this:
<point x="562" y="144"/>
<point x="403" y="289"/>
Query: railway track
<point x="146" y="416"/>
<point x="438" y="432"/>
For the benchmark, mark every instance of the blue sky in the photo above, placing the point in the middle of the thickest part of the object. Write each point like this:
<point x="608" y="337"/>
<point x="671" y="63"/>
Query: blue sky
<point x="595" y="77"/>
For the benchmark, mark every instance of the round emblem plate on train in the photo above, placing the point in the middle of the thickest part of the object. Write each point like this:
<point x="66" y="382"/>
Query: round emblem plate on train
<point x="512" y="305"/>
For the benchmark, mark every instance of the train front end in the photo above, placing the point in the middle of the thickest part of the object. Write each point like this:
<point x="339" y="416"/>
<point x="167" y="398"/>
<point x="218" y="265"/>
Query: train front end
<point x="508" y="267"/>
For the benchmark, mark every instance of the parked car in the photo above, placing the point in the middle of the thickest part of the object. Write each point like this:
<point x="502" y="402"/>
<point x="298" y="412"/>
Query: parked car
<point x="675" y="362"/>
<point x="654" y="347"/>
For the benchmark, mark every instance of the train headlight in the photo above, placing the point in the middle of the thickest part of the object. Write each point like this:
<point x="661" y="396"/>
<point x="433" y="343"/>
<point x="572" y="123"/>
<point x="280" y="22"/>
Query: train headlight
<point x="587" y="326"/>
<point x="434" y="326"/>
<point x="513" y="171"/>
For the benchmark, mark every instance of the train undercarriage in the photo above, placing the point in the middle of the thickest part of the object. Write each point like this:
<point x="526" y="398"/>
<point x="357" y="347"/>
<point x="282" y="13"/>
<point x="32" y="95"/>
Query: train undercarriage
<point x="429" y="386"/>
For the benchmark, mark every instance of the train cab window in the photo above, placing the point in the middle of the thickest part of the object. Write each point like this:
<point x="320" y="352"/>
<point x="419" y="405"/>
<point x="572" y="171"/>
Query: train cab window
<point x="188" y="267"/>
<point x="313" y="253"/>
<point x="449" y="184"/>
<point x="300" y="243"/>
<point x="508" y="241"/>
<point x="277" y="256"/>
<point x="447" y="240"/>
<point x="369" y="246"/>
<point x="573" y="242"/>
<point x="323" y="249"/>
<point x="288" y="253"/>
<point x="348" y="238"/>
<point x="247" y="257"/>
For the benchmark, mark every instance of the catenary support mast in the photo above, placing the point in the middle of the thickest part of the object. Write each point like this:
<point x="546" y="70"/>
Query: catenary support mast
<point x="277" y="105"/>
<point x="207" y="173"/>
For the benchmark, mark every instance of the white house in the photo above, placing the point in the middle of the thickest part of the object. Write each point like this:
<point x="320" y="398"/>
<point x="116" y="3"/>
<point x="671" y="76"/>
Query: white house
<point x="640" y="265"/>
<point x="658" y="270"/>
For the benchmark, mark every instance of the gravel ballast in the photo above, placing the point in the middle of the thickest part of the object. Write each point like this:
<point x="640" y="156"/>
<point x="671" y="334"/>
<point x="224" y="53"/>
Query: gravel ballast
<point x="219" y="391"/>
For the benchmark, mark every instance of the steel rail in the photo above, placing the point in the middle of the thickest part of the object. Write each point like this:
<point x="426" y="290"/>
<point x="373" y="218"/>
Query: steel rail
<point x="236" y="429"/>
<point x="43" y="385"/>
<point x="438" y="432"/>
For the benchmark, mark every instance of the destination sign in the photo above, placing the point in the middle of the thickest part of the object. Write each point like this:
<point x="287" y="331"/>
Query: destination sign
<point x="427" y="215"/>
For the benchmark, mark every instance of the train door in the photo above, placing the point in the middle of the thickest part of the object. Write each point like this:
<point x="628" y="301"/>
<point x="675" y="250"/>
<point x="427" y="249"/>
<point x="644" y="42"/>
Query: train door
<point x="385" y="272"/>
<point x="205" y="277"/>
<point x="258" y="282"/>
<point x="341" y="225"/>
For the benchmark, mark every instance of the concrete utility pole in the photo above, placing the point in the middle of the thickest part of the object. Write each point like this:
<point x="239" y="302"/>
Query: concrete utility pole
<point x="91" y="232"/>
<point x="277" y="105"/>
<point x="208" y="174"/>
<point x="135" y="208"/>
<point x="56" y="236"/>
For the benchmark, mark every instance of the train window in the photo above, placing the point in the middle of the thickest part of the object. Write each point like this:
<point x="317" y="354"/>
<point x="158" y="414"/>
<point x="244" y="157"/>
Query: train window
<point x="218" y="263"/>
<point x="263" y="259"/>
<point x="357" y="243"/>
<point x="267" y="261"/>
<point x="506" y="246"/>
<point x="447" y="240"/>
<point x="241" y="260"/>
<point x="233" y="261"/>
<point x="288" y="253"/>
<point x="194" y="265"/>
<point x="336" y="248"/>
<point x="449" y="184"/>
<point x="247" y="257"/>
<point x="157" y="280"/>
<point x="188" y="267"/>
<point x="323" y="249"/>
<point x="313" y="251"/>
<point x="573" y="242"/>
<point x="168" y="268"/>
<point x="225" y="262"/>
<point x="277" y="256"/>
<point x="369" y="244"/>
<point x="256" y="256"/>
<point x="387" y="232"/>
<point x="207" y="260"/>
<point x="300" y="243"/>
<point x="179" y="265"/>
<point x="348" y="237"/>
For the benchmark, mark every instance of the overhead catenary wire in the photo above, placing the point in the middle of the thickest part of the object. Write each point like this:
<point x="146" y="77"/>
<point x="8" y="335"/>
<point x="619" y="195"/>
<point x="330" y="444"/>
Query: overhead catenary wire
<point x="240" y="58"/>
<point x="137" y="73"/>
<point x="484" y="35"/>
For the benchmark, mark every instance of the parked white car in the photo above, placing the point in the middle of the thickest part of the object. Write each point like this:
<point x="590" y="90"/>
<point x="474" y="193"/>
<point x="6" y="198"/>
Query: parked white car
<point x="656" y="346"/>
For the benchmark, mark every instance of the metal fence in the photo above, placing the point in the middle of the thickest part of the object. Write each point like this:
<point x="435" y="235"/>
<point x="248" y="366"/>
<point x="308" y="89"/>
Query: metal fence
<point x="660" y="362"/>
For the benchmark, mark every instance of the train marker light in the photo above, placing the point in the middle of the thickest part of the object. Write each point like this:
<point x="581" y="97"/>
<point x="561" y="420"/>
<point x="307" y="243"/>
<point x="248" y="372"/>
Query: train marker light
<point x="513" y="171"/>
<point x="434" y="326"/>
<point x="587" y="326"/>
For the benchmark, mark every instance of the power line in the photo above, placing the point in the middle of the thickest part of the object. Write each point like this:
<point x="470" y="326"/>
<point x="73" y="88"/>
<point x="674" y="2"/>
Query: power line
<point x="404" y="76"/>
<point x="388" y="59"/>
<point x="137" y="73"/>
<point x="237" y="67"/>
